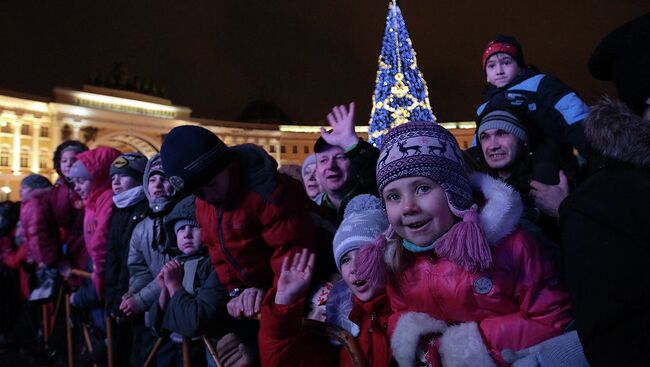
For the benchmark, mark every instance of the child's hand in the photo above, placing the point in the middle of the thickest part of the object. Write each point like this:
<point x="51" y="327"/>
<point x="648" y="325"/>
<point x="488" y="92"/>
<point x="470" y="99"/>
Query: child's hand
<point x="129" y="306"/>
<point x="248" y="303"/>
<point x="342" y="122"/>
<point x="160" y="279"/>
<point x="295" y="278"/>
<point x="173" y="276"/>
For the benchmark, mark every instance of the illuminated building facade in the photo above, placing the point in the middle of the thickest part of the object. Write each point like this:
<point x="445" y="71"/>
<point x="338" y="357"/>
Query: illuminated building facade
<point x="32" y="127"/>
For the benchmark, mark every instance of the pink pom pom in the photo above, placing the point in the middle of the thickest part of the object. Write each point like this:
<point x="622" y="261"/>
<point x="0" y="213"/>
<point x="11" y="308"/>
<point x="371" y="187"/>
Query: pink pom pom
<point x="370" y="263"/>
<point x="465" y="243"/>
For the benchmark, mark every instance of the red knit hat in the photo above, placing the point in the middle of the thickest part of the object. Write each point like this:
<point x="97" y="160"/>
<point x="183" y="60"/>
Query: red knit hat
<point x="504" y="44"/>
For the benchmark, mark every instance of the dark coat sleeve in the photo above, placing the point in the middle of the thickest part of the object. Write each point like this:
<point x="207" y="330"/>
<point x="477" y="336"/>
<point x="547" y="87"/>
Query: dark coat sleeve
<point x="364" y="161"/>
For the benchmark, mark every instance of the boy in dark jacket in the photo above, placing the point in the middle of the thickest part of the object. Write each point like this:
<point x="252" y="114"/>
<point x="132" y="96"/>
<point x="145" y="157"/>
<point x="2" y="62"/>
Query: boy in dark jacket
<point x="554" y="109"/>
<point x="129" y="208"/>
<point x="192" y="301"/>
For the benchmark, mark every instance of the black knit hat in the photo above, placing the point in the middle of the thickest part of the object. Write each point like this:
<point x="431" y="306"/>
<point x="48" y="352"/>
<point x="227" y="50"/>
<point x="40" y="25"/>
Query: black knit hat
<point x="623" y="57"/>
<point x="35" y="181"/>
<point x="129" y="164"/>
<point x="192" y="156"/>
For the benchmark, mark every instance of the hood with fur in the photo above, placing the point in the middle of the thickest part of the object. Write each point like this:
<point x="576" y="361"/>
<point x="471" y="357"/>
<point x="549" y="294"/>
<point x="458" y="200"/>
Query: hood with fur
<point x="502" y="209"/>
<point x="616" y="133"/>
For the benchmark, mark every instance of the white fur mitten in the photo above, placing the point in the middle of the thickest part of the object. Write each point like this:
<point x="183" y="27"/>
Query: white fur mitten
<point x="462" y="346"/>
<point x="410" y="328"/>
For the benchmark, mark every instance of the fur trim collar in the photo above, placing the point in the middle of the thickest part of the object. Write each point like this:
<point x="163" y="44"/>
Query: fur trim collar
<point x="618" y="134"/>
<point x="502" y="209"/>
<point x="410" y="327"/>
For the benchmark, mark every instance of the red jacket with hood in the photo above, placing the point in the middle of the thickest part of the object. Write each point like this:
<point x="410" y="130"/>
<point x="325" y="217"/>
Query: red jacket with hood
<point x="265" y="218"/>
<point x="99" y="207"/>
<point x="517" y="303"/>
<point x="51" y="218"/>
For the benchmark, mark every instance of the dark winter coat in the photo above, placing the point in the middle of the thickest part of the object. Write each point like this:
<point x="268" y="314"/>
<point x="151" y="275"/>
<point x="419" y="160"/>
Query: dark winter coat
<point x="553" y="107"/>
<point x="363" y="163"/>
<point x="123" y="223"/>
<point x="265" y="219"/>
<point x="606" y="241"/>
<point x="195" y="314"/>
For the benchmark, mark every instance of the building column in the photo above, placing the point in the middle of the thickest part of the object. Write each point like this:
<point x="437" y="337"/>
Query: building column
<point x="15" y="162"/>
<point x="76" y="128"/>
<point x="36" y="152"/>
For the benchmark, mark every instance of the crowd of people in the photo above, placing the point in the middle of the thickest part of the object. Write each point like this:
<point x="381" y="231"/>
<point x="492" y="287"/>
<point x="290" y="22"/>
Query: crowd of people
<point x="527" y="249"/>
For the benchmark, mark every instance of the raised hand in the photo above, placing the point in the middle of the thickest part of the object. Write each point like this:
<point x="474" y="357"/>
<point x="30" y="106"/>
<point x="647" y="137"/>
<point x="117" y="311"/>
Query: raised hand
<point x="342" y="122"/>
<point x="295" y="277"/>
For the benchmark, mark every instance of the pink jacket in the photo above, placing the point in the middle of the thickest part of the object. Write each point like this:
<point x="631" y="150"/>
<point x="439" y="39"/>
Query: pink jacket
<point x="99" y="208"/>
<point x="49" y="219"/>
<point x="516" y="304"/>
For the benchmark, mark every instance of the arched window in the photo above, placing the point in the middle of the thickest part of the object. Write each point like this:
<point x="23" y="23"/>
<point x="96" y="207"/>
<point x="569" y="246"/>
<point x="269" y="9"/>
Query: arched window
<point x="45" y="132"/>
<point x="4" y="155"/>
<point x="25" y="129"/>
<point x="5" y="127"/>
<point x="24" y="157"/>
<point x="43" y="158"/>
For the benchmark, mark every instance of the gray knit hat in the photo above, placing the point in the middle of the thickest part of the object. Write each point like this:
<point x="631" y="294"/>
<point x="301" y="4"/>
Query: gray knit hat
<point x="79" y="170"/>
<point x="363" y="221"/>
<point x="183" y="213"/>
<point x="130" y="164"/>
<point x="311" y="159"/>
<point x="503" y="120"/>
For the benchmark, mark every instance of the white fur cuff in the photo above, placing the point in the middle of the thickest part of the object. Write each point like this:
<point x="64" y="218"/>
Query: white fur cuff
<point x="462" y="346"/>
<point x="410" y="327"/>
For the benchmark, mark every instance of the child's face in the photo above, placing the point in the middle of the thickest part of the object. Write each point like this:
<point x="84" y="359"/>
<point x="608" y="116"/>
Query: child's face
<point x="159" y="186"/>
<point x="82" y="186"/>
<point x="121" y="183"/>
<point x="501" y="69"/>
<point x="363" y="290"/>
<point x="417" y="209"/>
<point x="188" y="239"/>
<point x="25" y="192"/>
<point x="68" y="157"/>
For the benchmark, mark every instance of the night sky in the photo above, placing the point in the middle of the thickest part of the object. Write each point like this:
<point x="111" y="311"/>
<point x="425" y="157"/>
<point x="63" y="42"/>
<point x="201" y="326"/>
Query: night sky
<point x="217" y="56"/>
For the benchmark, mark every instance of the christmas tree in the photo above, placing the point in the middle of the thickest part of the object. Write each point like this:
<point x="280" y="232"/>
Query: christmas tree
<point x="401" y="93"/>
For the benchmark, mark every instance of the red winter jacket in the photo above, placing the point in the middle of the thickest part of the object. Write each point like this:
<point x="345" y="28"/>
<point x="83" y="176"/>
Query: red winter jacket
<point x="45" y="216"/>
<point x="99" y="207"/>
<point x="518" y="303"/>
<point x="372" y="319"/>
<point x="283" y="340"/>
<point x="264" y="219"/>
